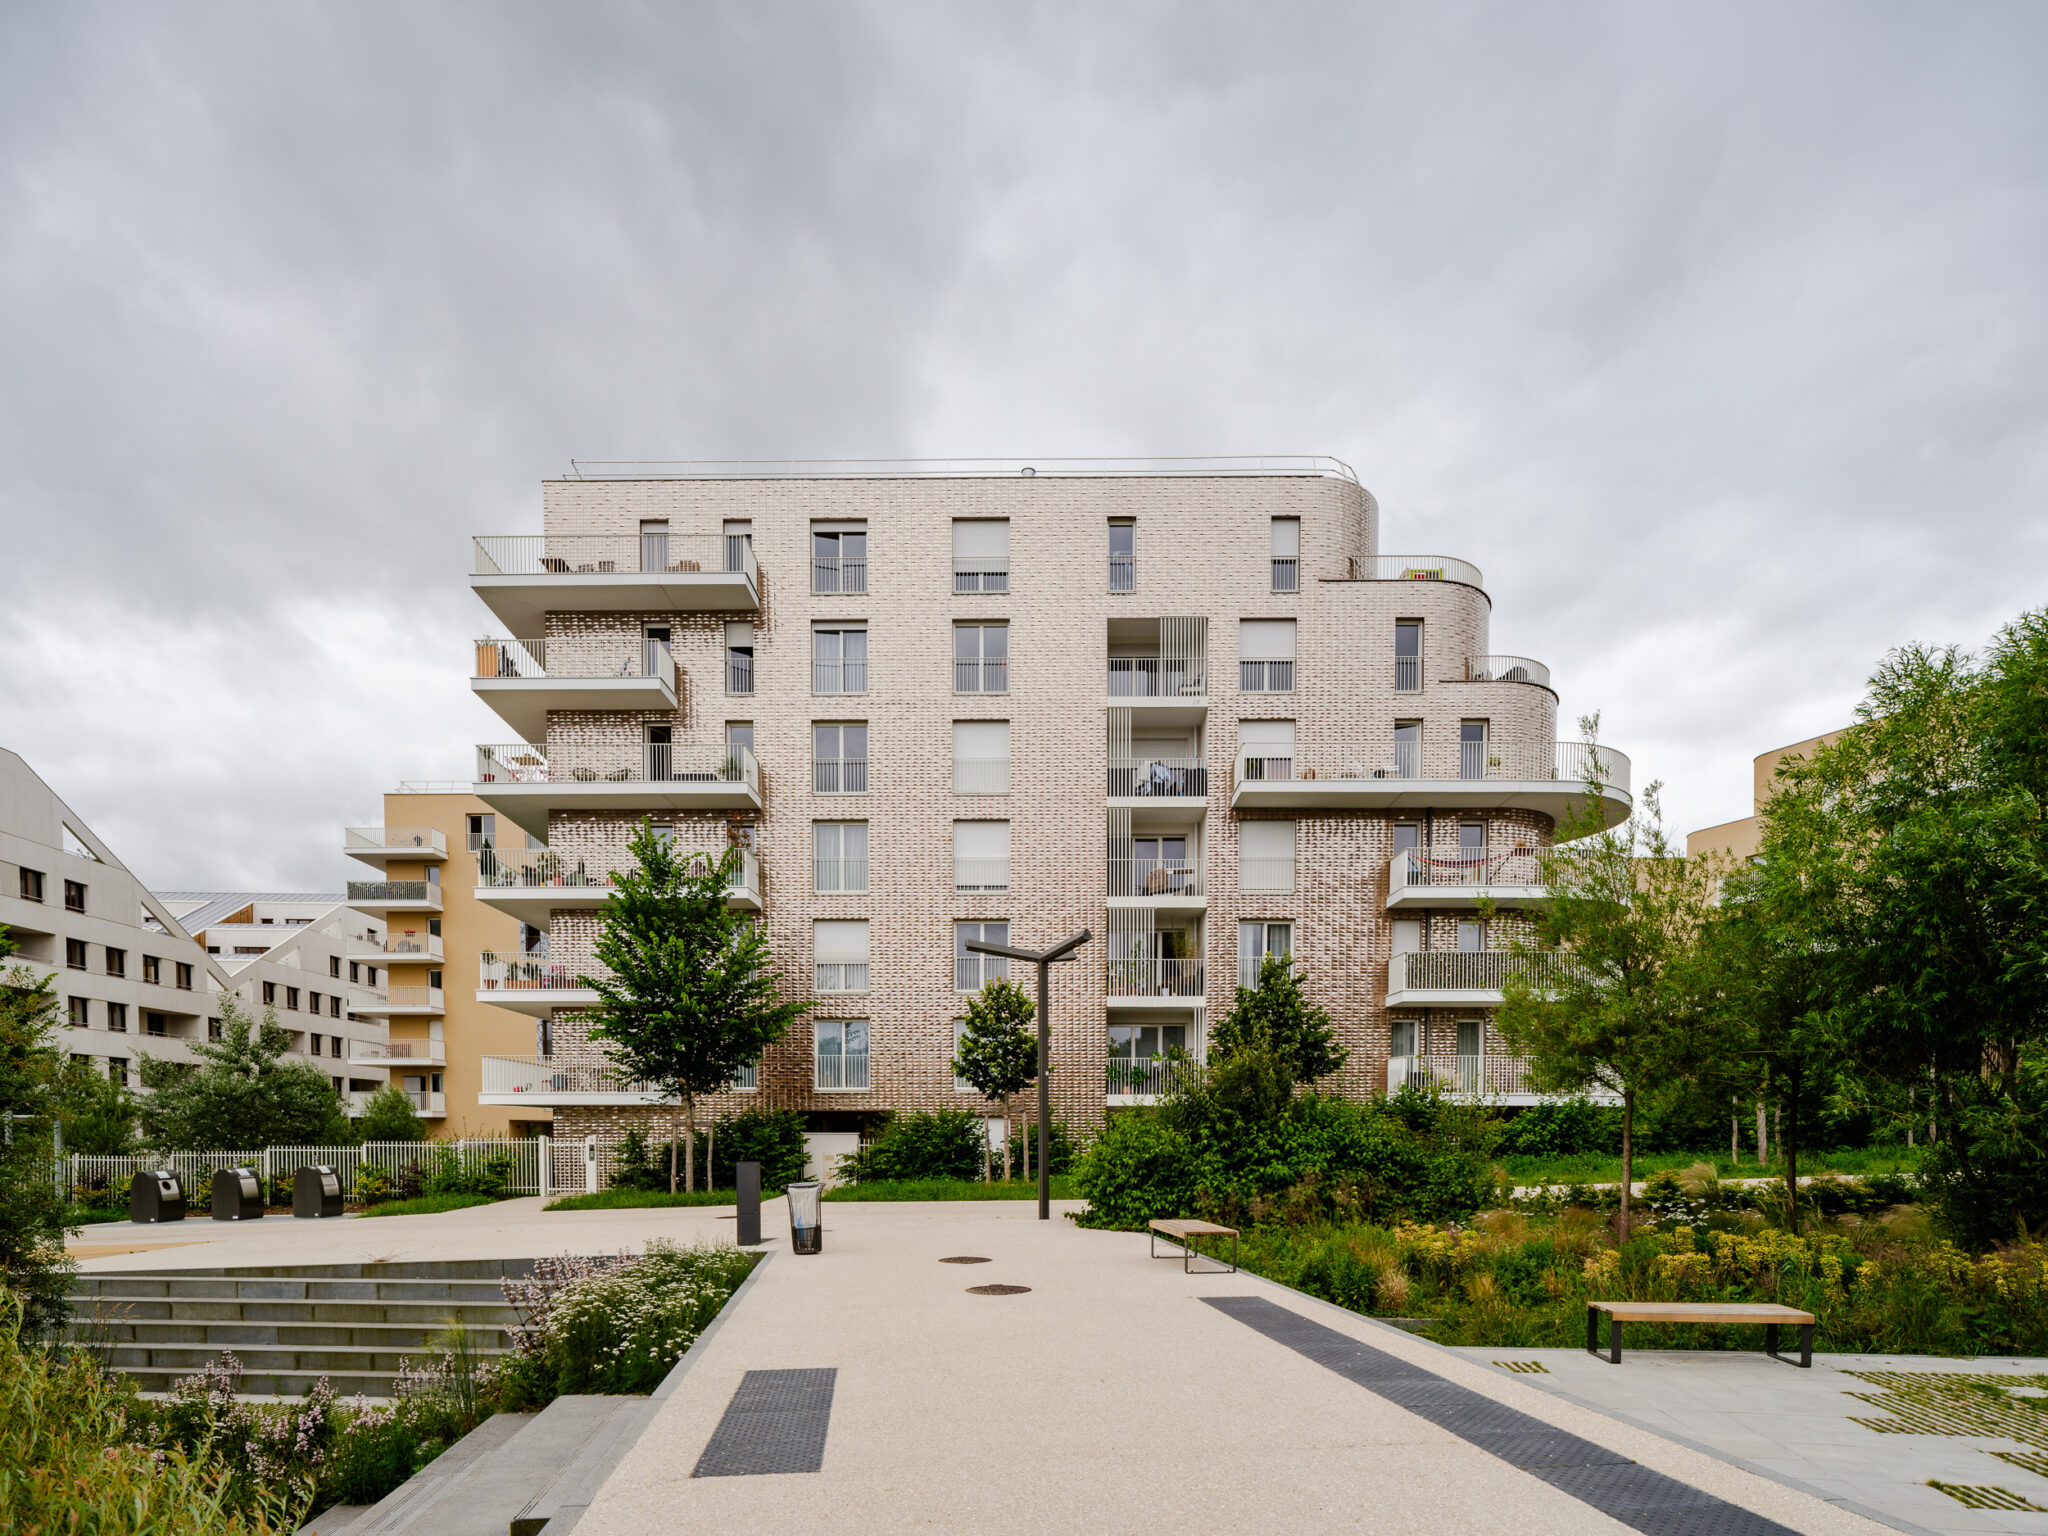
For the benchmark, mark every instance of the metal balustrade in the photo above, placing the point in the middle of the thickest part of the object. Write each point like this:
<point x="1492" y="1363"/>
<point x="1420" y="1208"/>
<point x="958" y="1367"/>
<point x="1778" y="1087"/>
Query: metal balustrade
<point x="840" y="976"/>
<point x="840" y="775"/>
<point x="1265" y="677"/>
<point x="981" y="674"/>
<point x="1472" y="970"/>
<point x="1155" y="978"/>
<point x="402" y="948"/>
<point x="1565" y="762"/>
<point x="1407" y="674"/>
<point x="1477" y="1077"/>
<point x="1143" y="1076"/>
<point x="839" y="674"/>
<point x="839" y="573"/>
<point x="1158" y="777"/>
<point x="393" y="840"/>
<point x="540" y="869"/>
<point x="495" y="975"/>
<point x="1419" y="568"/>
<point x="614" y="554"/>
<point x="403" y="997"/>
<point x="1286" y="573"/>
<point x="1155" y="877"/>
<point x="379" y="892"/>
<point x="980" y="573"/>
<point x="579" y="658"/>
<point x="405" y="1053"/>
<point x="840" y="877"/>
<point x="840" y="1069"/>
<point x="1412" y="868"/>
<point x="1504" y="669"/>
<point x="545" y="1075"/>
<point x="1123" y="573"/>
<point x="739" y="674"/>
<point x="1151" y="677"/>
<point x="521" y="762"/>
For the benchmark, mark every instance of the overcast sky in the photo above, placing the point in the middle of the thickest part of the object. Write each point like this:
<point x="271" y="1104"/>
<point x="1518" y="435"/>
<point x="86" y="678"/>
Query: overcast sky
<point x="1713" y="334"/>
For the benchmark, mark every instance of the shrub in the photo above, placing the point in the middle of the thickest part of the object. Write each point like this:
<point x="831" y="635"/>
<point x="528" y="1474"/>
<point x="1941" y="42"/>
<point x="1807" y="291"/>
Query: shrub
<point x="448" y="1174"/>
<point x="1139" y="1169"/>
<point x="633" y="1165"/>
<point x="1065" y="1147"/>
<point x="944" y="1144"/>
<point x="774" y="1138"/>
<point x="389" y="1115"/>
<point x="1561" y="1128"/>
<point x="373" y="1184"/>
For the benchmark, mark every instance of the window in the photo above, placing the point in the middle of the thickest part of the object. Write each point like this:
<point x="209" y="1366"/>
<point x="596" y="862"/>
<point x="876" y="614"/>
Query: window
<point x="291" y="997"/>
<point x="654" y="652"/>
<point x="1407" y="749"/>
<point x="1472" y="841"/>
<point x="970" y="970"/>
<point x="1160" y="866"/>
<point x="747" y="1079"/>
<point x="1403" y="1041"/>
<point x="1407" y="935"/>
<point x="1407" y="836"/>
<point x="841" y="1061"/>
<point x="483" y="832"/>
<point x="981" y="555"/>
<point x="840" y="851"/>
<point x="434" y="979"/>
<point x="31" y="885"/>
<point x="1265" y="856"/>
<point x="213" y="1029"/>
<point x="370" y="973"/>
<point x="334" y="1007"/>
<point x="739" y="656"/>
<point x="1286" y="554"/>
<point x="74" y="896"/>
<point x="840" y="955"/>
<point x="1255" y="941"/>
<point x="81" y="1012"/>
<point x="839" y="659"/>
<point x="117" y="1070"/>
<point x="981" y="658"/>
<point x="1265" y="655"/>
<point x="960" y="1084"/>
<point x="117" y="961"/>
<point x="354" y="971"/>
<point x="334" y="966"/>
<point x="270" y="992"/>
<point x="981" y="757"/>
<point x="839" y="557"/>
<point x="739" y="734"/>
<point x="117" y="1018"/>
<point x="1469" y="1031"/>
<point x="654" y="544"/>
<point x="1265" y="749"/>
<point x="1123" y="558"/>
<point x="1472" y="757"/>
<point x="839" y="757"/>
<point x="1407" y="655"/>
<point x="1134" y="1053"/>
<point x="981" y="856"/>
<point x="739" y="542"/>
<point x="154" y="1023"/>
<point x="1471" y="935"/>
<point x="657" y="755"/>
<point x="313" y="1002"/>
<point x="74" y="954"/>
<point x="314" y="1047"/>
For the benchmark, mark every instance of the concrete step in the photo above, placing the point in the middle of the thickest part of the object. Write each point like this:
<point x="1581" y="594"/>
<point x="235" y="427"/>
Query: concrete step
<point x="257" y="1287"/>
<point x="488" y="1492"/>
<point x="115" y="1309"/>
<point x="557" y="1507"/>
<point x="418" y="1269"/>
<point x="444" y="1476"/>
<point x="237" y="1336"/>
<point x="334" y="1522"/>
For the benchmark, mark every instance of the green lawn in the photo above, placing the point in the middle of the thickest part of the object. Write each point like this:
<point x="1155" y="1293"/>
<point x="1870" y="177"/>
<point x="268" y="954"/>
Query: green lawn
<point x="82" y="1216"/>
<point x="1598" y="1168"/>
<point x="428" y="1205"/>
<point x="952" y="1189"/>
<point x="638" y="1199"/>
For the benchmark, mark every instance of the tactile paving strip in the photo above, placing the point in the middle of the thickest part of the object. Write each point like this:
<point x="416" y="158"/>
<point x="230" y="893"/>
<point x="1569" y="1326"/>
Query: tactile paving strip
<point x="776" y="1422"/>
<point x="1619" y="1488"/>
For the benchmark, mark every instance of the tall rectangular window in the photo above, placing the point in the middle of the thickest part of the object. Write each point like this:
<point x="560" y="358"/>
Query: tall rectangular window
<point x="1123" y="554"/>
<point x="739" y="542"/>
<point x="1471" y="935"/>
<point x="840" y="955"/>
<point x="1286" y="554"/>
<point x="839" y="757"/>
<point x="970" y="970"/>
<point x="1265" y="856"/>
<point x="117" y="1018"/>
<point x="981" y="757"/>
<point x="739" y="656"/>
<point x="1407" y="836"/>
<point x="81" y="1012"/>
<point x="117" y="1070"/>
<point x="654" y="544"/>
<point x="483" y="832"/>
<point x="839" y="557"/>
<point x="74" y="896"/>
<point x="1265" y="749"/>
<point x="960" y="1084"/>
<point x="841" y="1059"/>
<point x="1472" y="756"/>
<point x="1407" y="655"/>
<point x="1255" y="941"/>
<point x="1403" y="1032"/>
<point x="981" y="555"/>
<point x="1471" y="842"/>
<point x="31" y="885"/>
<point x="1470" y="1032"/>
<point x="981" y="856"/>
<point x="291" y="997"/>
<point x="74" y="954"/>
<point x="270" y="990"/>
<point x="839" y="659"/>
<point x="840" y="857"/>
<point x="183" y="971"/>
<point x="1265" y="652"/>
<point x="1407" y="749"/>
<point x="117" y="961"/>
<point x="981" y="658"/>
<point x="152" y="970"/>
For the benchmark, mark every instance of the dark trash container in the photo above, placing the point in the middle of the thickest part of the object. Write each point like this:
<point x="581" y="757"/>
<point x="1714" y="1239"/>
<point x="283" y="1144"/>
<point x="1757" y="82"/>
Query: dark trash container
<point x="237" y="1195"/>
<point x="747" y="1228"/>
<point x="316" y="1191"/>
<point x="158" y="1195"/>
<point x="806" y="1217"/>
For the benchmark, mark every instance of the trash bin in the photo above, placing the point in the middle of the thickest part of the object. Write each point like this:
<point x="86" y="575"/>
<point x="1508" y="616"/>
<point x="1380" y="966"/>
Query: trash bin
<point x="806" y="1219"/>
<point x="237" y="1195"/>
<point x="316" y="1191"/>
<point x="158" y="1195"/>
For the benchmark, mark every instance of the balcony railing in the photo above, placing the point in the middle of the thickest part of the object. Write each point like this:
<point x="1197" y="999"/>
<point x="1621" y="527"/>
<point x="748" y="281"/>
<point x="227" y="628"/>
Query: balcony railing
<point x="839" y="674"/>
<point x="1504" y="669"/>
<point x="1407" y="674"/>
<point x="1155" y="978"/>
<point x="1286" y="573"/>
<point x="411" y="997"/>
<point x="370" y="892"/>
<point x="841" y="1069"/>
<point x="1123" y="573"/>
<point x="542" y="869"/>
<point x="1419" y="568"/>
<point x="402" y="948"/>
<point x="839" y="573"/>
<point x="1158" y="777"/>
<point x="981" y="775"/>
<point x="739" y="674"/>
<point x="579" y="658"/>
<point x="415" y="1053"/>
<point x="1150" y="677"/>
<point x="1411" y="869"/>
<point x="1265" y="677"/>
<point x="1143" y="1076"/>
<point x="545" y="1075"/>
<point x="1564" y="761"/>
<point x="1465" y="1076"/>
<point x="653" y="763"/>
<point x="981" y="674"/>
<point x="613" y="554"/>
<point x="1473" y="970"/>
<point x="495" y="975"/>
<point x="840" y="877"/>
<point x="393" y="840"/>
<point x="981" y="573"/>
<point x="840" y="975"/>
<point x="981" y="875"/>
<point x="840" y="775"/>
<point x="1155" y="877"/>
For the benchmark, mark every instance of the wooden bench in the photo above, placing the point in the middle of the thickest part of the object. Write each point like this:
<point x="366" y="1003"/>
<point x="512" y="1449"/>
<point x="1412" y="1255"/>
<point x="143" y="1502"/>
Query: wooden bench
<point x="1769" y="1313"/>
<point x="1184" y="1232"/>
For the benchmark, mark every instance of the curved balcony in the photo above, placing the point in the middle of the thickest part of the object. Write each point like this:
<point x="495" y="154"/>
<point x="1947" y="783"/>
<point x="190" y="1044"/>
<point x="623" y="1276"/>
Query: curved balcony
<point x="382" y="845"/>
<point x="536" y="987"/>
<point x="1449" y="978"/>
<point x="394" y="895"/>
<point x="1418" y="879"/>
<point x="523" y="679"/>
<point x="524" y="783"/>
<point x="1420" y="568"/>
<point x="1503" y="669"/>
<point x="1553" y="779"/>
<point x="522" y="578"/>
<point x="530" y="883"/>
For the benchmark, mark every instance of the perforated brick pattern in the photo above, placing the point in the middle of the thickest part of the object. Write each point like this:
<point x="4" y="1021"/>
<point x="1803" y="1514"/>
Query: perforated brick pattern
<point x="1606" y="1480"/>
<point x="776" y="1422"/>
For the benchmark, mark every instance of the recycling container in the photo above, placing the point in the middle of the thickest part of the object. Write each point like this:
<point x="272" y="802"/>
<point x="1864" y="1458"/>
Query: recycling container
<point x="806" y="1218"/>
<point x="158" y="1195"/>
<point x="316" y="1191"/>
<point x="237" y="1195"/>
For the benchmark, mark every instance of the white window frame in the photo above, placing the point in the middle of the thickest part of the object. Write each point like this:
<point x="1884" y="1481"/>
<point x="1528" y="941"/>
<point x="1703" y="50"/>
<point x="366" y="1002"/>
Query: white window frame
<point x="985" y="967"/>
<point x="838" y="965"/>
<point x="1247" y="963"/>
<point x="981" y="872"/>
<point x="1262" y="871"/>
<point x="836" y="1029"/>
<point x="843" y="866"/>
<point x="849" y="775"/>
<point x="981" y="554"/>
<point x="1265" y="655"/>
<point x="980" y="772"/>
<point x="838" y="668"/>
<point x="981" y="669"/>
<point x="839" y="573"/>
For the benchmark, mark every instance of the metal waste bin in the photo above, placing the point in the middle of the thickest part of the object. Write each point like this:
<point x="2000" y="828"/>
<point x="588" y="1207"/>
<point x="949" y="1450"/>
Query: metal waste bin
<point x="158" y="1195"/>
<point x="316" y="1191"/>
<point x="237" y="1195"/>
<point x="806" y="1217"/>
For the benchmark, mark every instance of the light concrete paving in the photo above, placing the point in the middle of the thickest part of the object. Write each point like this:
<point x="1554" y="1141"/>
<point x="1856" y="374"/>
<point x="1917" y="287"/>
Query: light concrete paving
<point x="1797" y="1426"/>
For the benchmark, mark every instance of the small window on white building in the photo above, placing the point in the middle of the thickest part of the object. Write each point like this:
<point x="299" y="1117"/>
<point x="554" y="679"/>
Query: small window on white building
<point x="840" y="951"/>
<point x="1286" y="554"/>
<point x="839" y="658"/>
<point x="1265" y="856"/>
<point x="839" y="557"/>
<point x="840" y="857"/>
<point x="840" y="1063"/>
<point x="981" y="757"/>
<point x="981" y="856"/>
<point x="981" y="554"/>
<point x="1265" y="655"/>
<point x="739" y="656"/>
<point x="1255" y="941"/>
<point x="1265" y="749"/>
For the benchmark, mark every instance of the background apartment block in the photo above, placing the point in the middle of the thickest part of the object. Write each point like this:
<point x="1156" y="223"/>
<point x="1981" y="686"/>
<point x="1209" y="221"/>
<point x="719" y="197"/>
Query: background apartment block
<point x="1738" y="839"/>
<point x="1186" y="704"/>
<point x="437" y="855"/>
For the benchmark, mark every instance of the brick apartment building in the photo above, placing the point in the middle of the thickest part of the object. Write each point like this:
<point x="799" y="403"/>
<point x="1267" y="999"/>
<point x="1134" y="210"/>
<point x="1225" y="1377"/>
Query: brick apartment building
<point x="1185" y="704"/>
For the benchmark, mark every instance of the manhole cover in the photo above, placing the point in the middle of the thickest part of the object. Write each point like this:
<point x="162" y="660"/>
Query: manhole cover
<point x="997" y="1290"/>
<point x="963" y="1258"/>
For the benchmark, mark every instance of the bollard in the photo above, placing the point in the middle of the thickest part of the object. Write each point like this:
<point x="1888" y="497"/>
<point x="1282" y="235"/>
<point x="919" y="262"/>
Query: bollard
<point x="748" y="1233"/>
<point x="590" y="1165"/>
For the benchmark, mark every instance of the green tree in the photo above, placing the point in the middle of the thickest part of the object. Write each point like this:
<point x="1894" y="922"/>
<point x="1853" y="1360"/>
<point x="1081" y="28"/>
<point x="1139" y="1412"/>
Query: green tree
<point x="1608" y="990"/>
<point x="389" y="1115"/>
<point x="33" y="1267"/>
<point x="691" y="994"/>
<point x="998" y="1054"/>
<point x="242" y="1093"/>
<point x="1274" y="1015"/>
<point x="98" y="1114"/>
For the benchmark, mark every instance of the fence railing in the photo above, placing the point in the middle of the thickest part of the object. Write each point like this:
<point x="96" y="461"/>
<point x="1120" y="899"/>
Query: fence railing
<point x="371" y="891"/>
<point x="1465" y="1076"/>
<point x="578" y="658"/>
<point x="839" y="674"/>
<point x="1450" y="761"/>
<point x="1150" y="677"/>
<point x="981" y="674"/>
<point x="614" y="554"/>
<point x="1163" y="777"/>
<point x="1505" y="669"/>
<point x="981" y="775"/>
<point x="495" y="975"/>
<point x="1265" y="677"/>
<point x="1410" y="868"/>
<point x="521" y="762"/>
<point x="840" y="1069"/>
<point x="82" y="1173"/>
<point x="1155" y="978"/>
<point x="987" y="875"/>
<point x="1479" y="970"/>
<point x="389" y="839"/>
<point x="981" y="573"/>
<point x="839" y="775"/>
<point x="1155" y="877"/>
<point x="1419" y="568"/>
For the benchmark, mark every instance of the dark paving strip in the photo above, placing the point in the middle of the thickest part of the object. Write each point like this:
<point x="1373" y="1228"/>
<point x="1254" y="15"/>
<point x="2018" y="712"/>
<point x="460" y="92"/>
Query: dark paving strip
<point x="776" y="1422"/>
<point x="1619" y="1488"/>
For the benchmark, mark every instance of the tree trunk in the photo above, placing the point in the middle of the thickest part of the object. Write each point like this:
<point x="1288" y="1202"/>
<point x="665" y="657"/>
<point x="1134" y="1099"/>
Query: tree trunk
<point x="711" y="1155"/>
<point x="1735" y="1135"/>
<point x="1763" y="1140"/>
<point x="1909" y="1117"/>
<point x="988" y="1170"/>
<point x="1008" y="1120"/>
<point x="671" y="1162"/>
<point x="690" y="1143"/>
<point x="1628" y="1156"/>
<point x="1791" y="1145"/>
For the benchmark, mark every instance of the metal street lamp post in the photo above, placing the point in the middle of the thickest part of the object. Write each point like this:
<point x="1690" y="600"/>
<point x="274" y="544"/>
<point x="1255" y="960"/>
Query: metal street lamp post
<point x="1043" y="959"/>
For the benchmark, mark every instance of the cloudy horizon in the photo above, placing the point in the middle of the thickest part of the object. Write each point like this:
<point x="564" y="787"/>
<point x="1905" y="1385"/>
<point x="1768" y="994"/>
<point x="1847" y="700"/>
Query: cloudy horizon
<point x="1714" y="337"/>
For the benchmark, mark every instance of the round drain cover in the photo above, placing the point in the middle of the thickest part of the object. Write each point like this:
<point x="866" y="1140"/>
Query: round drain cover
<point x="964" y="1258"/>
<point x="997" y="1290"/>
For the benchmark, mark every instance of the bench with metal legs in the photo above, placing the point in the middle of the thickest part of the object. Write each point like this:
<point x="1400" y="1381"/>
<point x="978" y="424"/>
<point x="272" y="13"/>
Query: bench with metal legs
<point x="1770" y="1314"/>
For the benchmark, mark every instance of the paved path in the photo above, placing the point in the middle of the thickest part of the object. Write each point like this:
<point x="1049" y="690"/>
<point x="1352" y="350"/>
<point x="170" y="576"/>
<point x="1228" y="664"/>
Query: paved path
<point x="1797" y="1425"/>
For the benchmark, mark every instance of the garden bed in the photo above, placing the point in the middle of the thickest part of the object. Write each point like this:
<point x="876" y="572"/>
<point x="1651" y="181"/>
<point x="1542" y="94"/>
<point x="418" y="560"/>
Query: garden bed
<point x="429" y="1205"/>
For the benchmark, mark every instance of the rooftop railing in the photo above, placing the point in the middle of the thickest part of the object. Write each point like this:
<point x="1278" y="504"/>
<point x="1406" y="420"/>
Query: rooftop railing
<point x="393" y="839"/>
<point x="900" y="469"/>
<point x="578" y="658"/>
<point x="1420" y="568"/>
<point x="614" y="554"/>
<point x="521" y="762"/>
<point x="1564" y="761"/>
<point x="1503" y="669"/>
<point x="1413" y="869"/>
